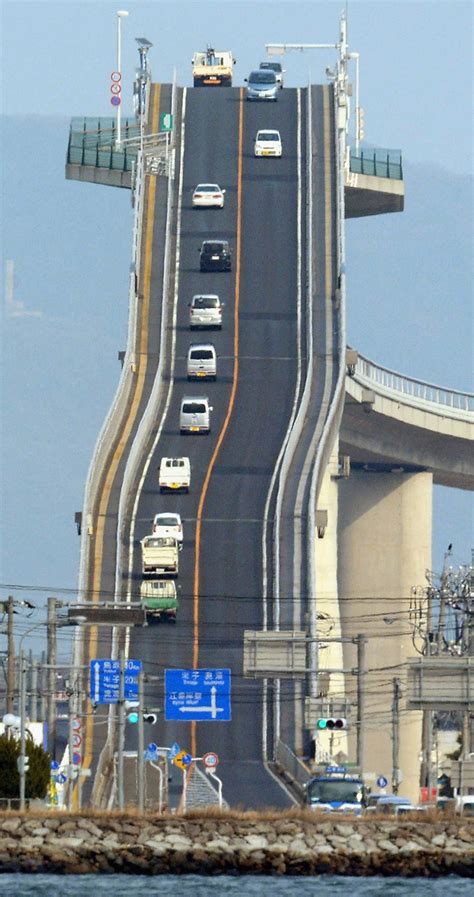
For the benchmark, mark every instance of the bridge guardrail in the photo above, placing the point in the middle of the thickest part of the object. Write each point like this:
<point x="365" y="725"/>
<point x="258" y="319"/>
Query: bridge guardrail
<point x="382" y="163"/>
<point x="419" y="392"/>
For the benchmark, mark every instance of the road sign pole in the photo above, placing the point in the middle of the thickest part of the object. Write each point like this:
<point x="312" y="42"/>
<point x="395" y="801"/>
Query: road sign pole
<point x="141" y="744"/>
<point x="121" y="732"/>
<point x="72" y="686"/>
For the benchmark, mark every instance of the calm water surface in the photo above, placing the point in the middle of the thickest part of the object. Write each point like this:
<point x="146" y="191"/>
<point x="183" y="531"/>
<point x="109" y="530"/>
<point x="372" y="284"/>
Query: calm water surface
<point x="228" y="886"/>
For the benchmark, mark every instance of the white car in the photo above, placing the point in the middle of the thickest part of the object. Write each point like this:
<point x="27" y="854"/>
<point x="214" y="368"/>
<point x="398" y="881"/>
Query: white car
<point x="205" y="311"/>
<point x="208" y="196"/>
<point x="274" y="67"/>
<point x="168" y="525"/>
<point x="268" y="143"/>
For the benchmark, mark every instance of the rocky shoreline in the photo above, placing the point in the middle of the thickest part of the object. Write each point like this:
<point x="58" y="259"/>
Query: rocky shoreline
<point x="233" y="844"/>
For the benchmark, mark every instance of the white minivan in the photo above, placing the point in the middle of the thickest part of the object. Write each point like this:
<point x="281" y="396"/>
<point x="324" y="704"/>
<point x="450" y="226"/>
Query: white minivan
<point x="195" y="415"/>
<point x="205" y="311"/>
<point x="202" y="362"/>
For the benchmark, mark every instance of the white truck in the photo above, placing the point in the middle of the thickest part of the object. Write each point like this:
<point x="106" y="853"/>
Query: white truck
<point x="160" y="556"/>
<point x="175" y="475"/>
<point x="213" y="68"/>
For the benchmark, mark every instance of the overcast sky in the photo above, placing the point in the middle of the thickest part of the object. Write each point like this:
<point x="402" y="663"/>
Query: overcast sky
<point x="409" y="275"/>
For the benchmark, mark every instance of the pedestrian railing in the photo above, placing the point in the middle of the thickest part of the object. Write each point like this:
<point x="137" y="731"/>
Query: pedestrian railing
<point x="382" y="163"/>
<point x="92" y="142"/>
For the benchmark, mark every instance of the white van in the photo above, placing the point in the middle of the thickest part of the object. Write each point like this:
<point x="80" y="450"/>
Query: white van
<point x="205" y="311"/>
<point x="202" y="362"/>
<point x="194" y="416"/>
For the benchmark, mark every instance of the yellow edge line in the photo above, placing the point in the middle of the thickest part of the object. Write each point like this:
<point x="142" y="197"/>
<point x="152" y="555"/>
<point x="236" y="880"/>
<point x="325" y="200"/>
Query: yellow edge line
<point x="142" y="363"/>
<point x="235" y="377"/>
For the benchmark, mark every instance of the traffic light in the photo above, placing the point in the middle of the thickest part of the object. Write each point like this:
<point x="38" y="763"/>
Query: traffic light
<point x="131" y="709"/>
<point x="331" y="724"/>
<point x="150" y="718"/>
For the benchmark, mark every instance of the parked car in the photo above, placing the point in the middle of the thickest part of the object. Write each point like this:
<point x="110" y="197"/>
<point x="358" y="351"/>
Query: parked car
<point x="195" y="415"/>
<point x="268" y="143"/>
<point x="262" y="85"/>
<point x="274" y="67"/>
<point x="168" y="524"/>
<point x="215" y="255"/>
<point x="205" y="311"/>
<point x="202" y="362"/>
<point x="208" y="196"/>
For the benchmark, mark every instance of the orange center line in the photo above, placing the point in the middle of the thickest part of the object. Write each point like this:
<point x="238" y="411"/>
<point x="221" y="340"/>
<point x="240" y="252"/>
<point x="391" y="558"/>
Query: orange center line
<point x="230" y="408"/>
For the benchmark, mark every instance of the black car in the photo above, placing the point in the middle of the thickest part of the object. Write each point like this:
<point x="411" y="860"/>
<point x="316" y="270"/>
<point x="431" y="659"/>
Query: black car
<point x="215" y="256"/>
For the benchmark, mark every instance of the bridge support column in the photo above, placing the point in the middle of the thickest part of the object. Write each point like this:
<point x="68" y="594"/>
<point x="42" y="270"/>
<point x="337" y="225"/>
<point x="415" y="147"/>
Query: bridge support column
<point x="384" y="548"/>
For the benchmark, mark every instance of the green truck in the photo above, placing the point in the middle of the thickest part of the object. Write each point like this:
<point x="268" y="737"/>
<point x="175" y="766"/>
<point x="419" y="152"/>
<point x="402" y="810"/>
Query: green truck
<point x="159" y="598"/>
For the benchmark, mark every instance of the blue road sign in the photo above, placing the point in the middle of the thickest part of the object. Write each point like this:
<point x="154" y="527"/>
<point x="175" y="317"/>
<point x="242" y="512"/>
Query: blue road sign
<point x="61" y="778"/>
<point x="174" y="751"/>
<point x="382" y="782"/>
<point x="54" y="764"/>
<point x="197" y="695"/>
<point x="105" y="680"/>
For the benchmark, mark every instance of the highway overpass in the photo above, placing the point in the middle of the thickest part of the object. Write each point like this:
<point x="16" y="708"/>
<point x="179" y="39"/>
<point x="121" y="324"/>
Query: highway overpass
<point x="287" y="408"/>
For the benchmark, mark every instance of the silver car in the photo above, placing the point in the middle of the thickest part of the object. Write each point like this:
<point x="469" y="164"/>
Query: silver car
<point x="262" y="85"/>
<point x="202" y="362"/>
<point x="195" y="415"/>
<point x="205" y="311"/>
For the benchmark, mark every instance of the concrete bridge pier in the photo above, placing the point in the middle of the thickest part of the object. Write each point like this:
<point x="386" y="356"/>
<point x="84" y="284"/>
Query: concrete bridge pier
<point x="384" y="548"/>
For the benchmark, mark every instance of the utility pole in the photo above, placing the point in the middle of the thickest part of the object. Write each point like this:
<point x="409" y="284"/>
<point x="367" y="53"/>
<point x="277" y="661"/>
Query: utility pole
<point x="10" y="658"/>
<point x="121" y="732"/>
<point x="141" y="743"/>
<point x="361" y="642"/>
<point x="51" y="662"/>
<point x="395" y="735"/>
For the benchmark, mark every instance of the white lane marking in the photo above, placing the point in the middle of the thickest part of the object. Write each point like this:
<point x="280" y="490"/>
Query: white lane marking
<point x="278" y="465"/>
<point x="173" y="349"/>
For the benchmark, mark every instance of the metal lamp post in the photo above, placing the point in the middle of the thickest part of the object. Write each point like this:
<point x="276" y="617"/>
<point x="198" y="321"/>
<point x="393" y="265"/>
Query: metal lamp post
<point x="121" y="14"/>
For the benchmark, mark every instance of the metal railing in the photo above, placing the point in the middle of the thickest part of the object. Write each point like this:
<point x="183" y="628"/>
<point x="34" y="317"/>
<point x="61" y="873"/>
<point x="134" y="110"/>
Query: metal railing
<point x="418" y="392"/>
<point x="92" y="142"/>
<point x="292" y="764"/>
<point x="382" y="163"/>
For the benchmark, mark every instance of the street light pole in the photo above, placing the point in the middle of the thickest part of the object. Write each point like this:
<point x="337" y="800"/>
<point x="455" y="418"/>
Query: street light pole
<point x="22" y="770"/>
<point x="121" y="13"/>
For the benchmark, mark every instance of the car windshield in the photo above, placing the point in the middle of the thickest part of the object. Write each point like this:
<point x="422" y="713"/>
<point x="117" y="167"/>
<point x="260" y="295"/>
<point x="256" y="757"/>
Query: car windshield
<point x="201" y="354"/>
<point x="262" y="77"/>
<point x="165" y="521"/>
<point x="157" y="542"/>
<point x="174" y="462"/>
<point x="268" y="135"/>
<point x="338" y="790"/>
<point x="205" y="302"/>
<point x="207" y="188"/>
<point x="273" y="66"/>
<point x="194" y="408"/>
<point x="213" y="247"/>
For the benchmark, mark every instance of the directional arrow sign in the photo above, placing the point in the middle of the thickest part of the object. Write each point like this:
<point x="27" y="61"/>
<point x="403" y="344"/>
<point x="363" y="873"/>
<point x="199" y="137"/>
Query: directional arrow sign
<point x="198" y="695"/>
<point x="105" y="680"/>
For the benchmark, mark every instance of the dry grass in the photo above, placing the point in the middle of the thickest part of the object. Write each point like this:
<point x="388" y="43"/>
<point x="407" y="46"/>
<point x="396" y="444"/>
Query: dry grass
<point x="293" y="814"/>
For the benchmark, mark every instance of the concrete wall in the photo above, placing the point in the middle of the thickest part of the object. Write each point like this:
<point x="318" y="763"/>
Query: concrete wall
<point x="385" y="528"/>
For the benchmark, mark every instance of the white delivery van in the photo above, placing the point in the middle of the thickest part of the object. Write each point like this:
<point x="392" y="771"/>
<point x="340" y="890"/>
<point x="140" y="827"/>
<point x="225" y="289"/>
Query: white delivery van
<point x="175" y="475"/>
<point x="202" y="362"/>
<point x="195" y="415"/>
